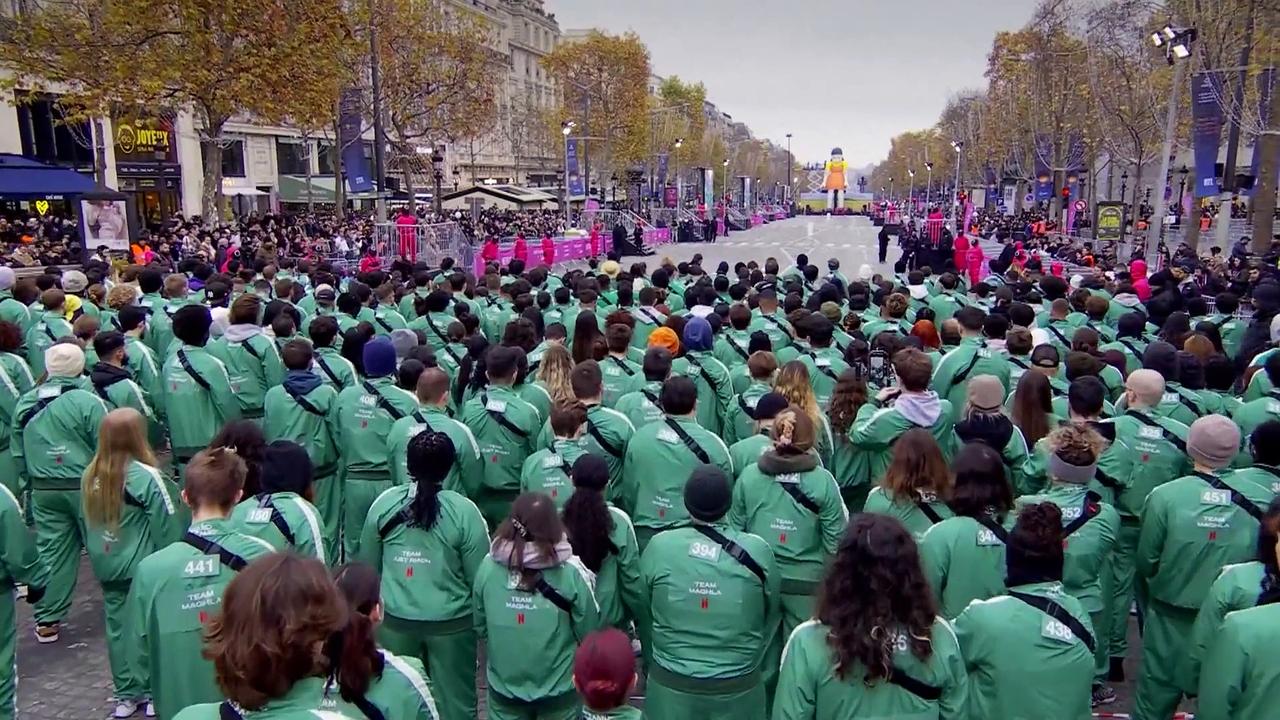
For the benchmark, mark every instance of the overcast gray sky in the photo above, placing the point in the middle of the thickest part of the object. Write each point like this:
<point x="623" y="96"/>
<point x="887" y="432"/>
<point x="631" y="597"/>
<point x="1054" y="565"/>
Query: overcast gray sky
<point x="851" y="73"/>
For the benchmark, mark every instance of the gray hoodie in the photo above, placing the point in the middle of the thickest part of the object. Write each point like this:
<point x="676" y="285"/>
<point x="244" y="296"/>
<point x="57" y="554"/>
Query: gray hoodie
<point x="921" y="409"/>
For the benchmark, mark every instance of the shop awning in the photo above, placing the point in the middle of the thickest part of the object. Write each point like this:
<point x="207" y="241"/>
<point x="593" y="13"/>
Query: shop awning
<point x="229" y="190"/>
<point x="296" y="190"/>
<point x="22" y="177"/>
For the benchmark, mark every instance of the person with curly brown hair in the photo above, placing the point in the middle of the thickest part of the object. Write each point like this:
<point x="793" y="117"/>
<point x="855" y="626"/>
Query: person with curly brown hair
<point x="875" y="647"/>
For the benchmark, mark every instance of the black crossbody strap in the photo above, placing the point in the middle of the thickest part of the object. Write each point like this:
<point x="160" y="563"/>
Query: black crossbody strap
<point x="1057" y="612"/>
<point x="622" y="366"/>
<point x="49" y="333"/>
<point x="1019" y="362"/>
<point x="736" y="551"/>
<point x="302" y="401"/>
<point x="920" y="689"/>
<point x="368" y="709"/>
<point x="249" y="348"/>
<point x="502" y="419"/>
<point x="1106" y="480"/>
<point x="929" y="512"/>
<point x="383" y="403"/>
<point x="652" y="397"/>
<point x="1237" y="499"/>
<point x="383" y="323"/>
<point x="1088" y="510"/>
<point x="401" y="517"/>
<point x="422" y="420"/>
<point x="545" y="589"/>
<point x="1189" y="404"/>
<point x="737" y="348"/>
<point x="702" y="371"/>
<point x="689" y="442"/>
<point x="277" y="518"/>
<point x="746" y="409"/>
<point x="436" y="330"/>
<point x="1132" y="349"/>
<point x="129" y="499"/>
<point x="995" y="528"/>
<point x="190" y="370"/>
<point x="209" y="547"/>
<point x="40" y="405"/>
<point x="651" y="315"/>
<point x="1168" y="435"/>
<point x="594" y="431"/>
<point x="1058" y="332"/>
<point x="324" y="367"/>
<point x="227" y="711"/>
<point x="806" y="502"/>
<point x="824" y="369"/>
<point x="973" y="362"/>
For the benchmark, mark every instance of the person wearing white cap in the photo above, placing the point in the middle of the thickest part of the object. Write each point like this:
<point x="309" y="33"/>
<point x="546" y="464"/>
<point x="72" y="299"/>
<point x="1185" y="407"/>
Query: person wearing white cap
<point x="11" y="309"/>
<point x="55" y="435"/>
<point x="1191" y="528"/>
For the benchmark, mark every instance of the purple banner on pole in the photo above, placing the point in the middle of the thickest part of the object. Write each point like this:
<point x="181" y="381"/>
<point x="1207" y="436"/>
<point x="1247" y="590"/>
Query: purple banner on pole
<point x="662" y="169"/>
<point x="670" y="198"/>
<point x="355" y="166"/>
<point x="1044" y="174"/>
<point x="1206" y="130"/>
<point x="1266" y="85"/>
<point x="575" y="184"/>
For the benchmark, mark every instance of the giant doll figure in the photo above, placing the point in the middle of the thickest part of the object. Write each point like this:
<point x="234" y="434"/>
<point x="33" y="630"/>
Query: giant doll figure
<point x="834" y="182"/>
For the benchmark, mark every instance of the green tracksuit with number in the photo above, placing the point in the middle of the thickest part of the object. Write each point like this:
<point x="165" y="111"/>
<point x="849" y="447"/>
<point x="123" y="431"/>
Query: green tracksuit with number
<point x="402" y="691"/>
<point x="175" y="592"/>
<point x="1023" y="663"/>
<point x="710" y="619"/>
<point x="1088" y="550"/>
<point x="286" y="521"/>
<point x="715" y="388"/>
<point x="149" y="520"/>
<point x="917" y="515"/>
<point x="427" y="576"/>
<point x="795" y="506"/>
<point x="254" y="367"/>
<point x="468" y="466"/>
<point x="1237" y="587"/>
<point x="548" y="471"/>
<point x="285" y="418"/>
<point x="335" y="370"/>
<point x="621" y="375"/>
<point x="965" y="362"/>
<point x="362" y="417"/>
<point x="195" y="413"/>
<point x="964" y="561"/>
<point x="738" y="421"/>
<point x="55" y="434"/>
<point x="656" y="469"/>
<point x="304" y="701"/>
<point x="809" y="688"/>
<point x="1241" y="680"/>
<point x="506" y="427"/>
<point x="47" y="329"/>
<point x="641" y="405"/>
<point x="825" y="365"/>
<point x="608" y="433"/>
<point x="19" y="564"/>
<point x="531" y="640"/>
<point x="1190" y="530"/>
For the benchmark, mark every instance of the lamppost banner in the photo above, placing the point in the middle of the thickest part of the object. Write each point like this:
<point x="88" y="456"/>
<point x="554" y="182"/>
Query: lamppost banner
<point x="1044" y="174"/>
<point x="1266" y="85"/>
<point x="575" y="184"/>
<point x="1206" y="130"/>
<point x="355" y="166"/>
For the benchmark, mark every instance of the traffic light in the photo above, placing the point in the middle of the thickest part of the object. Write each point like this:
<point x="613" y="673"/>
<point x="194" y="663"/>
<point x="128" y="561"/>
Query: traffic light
<point x="1066" y="193"/>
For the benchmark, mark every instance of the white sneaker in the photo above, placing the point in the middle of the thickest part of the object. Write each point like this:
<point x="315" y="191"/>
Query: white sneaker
<point x="151" y="709"/>
<point x="125" y="708"/>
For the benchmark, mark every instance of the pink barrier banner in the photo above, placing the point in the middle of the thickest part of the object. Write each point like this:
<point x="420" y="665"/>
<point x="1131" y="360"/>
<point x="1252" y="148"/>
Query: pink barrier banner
<point x="780" y="215"/>
<point x="566" y="249"/>
<point x="720" y="227"/>
<point x="657" y="236"/>
<point x="757" y="220"/>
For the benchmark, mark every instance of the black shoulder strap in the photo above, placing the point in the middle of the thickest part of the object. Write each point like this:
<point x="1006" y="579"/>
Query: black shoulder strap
<point x="209" y="547"/>
<point x="49" y="333"/>
<point x="383" y="403"/>
<point x="929" y="512"/>
<point x="1058" y="332"/>
<point x="1168" y="434"/>
<point x="130" y="499"/>
<point x="1130" y="346"/>
<point x="806" y="502"/>
<point x="737" y="348"/>
<point x="1088" y="510"/>
<point x="736" y="551"/>
<point x="436" y="330"/>
<point x="649" y="394"/>
<point x="1019" y="362"/>
<point x="996" y="528"/>
<point x="368" y="709"/>
<point x="1057" y="612"/>
<point x="594" y="431"/>
<point x="824" y="369"/>
<point x="1189" y="403"/>
<point x="689" y="442"/>
<point x="190" y="369"/>
<point x="422" y="419"/>
<point x="746" y="409"/>
<point x="501" y="418"/>
<point x="1106" y="480"/>
<point x="622" y="366"/>
<point x="324" y="367"/>
<point x="401" y="517"/>
<point x="383" y="323"/>
<point x="249" y="348"/>
<point x="1237" y="499"/>
<point x="545" y="589"/>
<point x="920" y="689"/>
<point x="973" y="362"/>
<point x="702" y="371"/>
<point x="227" y="711"/>
<point x="302" y="401"/>
<point x="277" y="518"/>
<point x="40" y="405"/>
<point x="649" y="314"/>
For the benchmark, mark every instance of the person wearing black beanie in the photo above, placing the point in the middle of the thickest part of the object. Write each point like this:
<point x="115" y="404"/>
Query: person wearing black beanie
<point x="1013" y="643"/>
<point x="713" y="595"/>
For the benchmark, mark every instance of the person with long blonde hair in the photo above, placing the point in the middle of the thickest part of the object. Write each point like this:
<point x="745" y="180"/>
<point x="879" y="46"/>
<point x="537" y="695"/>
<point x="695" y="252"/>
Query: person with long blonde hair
<point x="130" y="511"/>
<point x="793" y="384"/>
<point x="554" y="372"/>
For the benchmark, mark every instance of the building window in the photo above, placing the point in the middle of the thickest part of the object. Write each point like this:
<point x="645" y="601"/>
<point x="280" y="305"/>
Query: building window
<point x="291" y="157"/>
<point x="327" y="158"/>
<point x="233" y="159"/>
<point x="46" y="136"/>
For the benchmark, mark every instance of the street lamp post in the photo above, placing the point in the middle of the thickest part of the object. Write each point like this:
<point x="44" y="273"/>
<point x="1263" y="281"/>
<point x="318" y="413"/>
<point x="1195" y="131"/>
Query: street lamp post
<point x="928" y="185"/>
<point x="890" y="190"/>
<point x="1124" y="186"/>
<point x="566" y="128"/>
<point x="911" y="191"/>
<point x="1177" y="44"/>
<point x="725" y="191"/>
<point x="790" y="162"/>
<point x="1182" y="186"/>
<point x="679" y="192"/>
<point x="958" y="146"/>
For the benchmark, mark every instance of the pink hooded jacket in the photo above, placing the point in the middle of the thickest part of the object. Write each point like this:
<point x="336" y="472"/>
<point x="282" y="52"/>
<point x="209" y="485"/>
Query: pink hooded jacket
<point x="1138" y="271"/>
<point x="975" y="260"/>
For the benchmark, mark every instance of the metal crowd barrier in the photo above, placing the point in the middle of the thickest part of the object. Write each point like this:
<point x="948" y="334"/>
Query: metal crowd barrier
<point x="429" y="243"/>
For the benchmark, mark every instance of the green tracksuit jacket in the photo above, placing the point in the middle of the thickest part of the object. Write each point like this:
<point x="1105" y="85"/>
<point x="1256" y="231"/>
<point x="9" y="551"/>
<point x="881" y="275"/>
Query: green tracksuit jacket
<point x="403" y="691"/>
<point x="657" y="467"/>
<point x="1088" y="548"/>
<point x="1241" y="680"/>
<point x="362" y="424"/>
<point x="548" y="471"/>
<point x="335" y="370"/>
<point x="195" y="413"/>
<point x="810" y="689"/>
<point x="875" y="430"/>
<point x="1237" y="587"/>
<point x="825" y="366"/>
<point x="468" y="467"/>
<point x="285" y="520"/>
<point x="426" y="574"/>
<point x="715" y="388"/>
<point x="145" y="368"/>
<point x="641" y="405"/>
<point x="619" y="590"/>
<point x="531" y="641"/>
<point x="15" y="380"/>
<point x="304" y="701"/>
<point x="254" y="367"/>
<point x="731" y="348"/>
<point x="175" y="592"/>
<point x="647" y="320"/>
<point x="46" y="329"/>
<point x="910" y="513"/>
<point x="605" y="427"/>
<point x="964" y="561"/>
<point x="968" y="360"/>
<point x="387" y="319"/>
<point x="1142" y="458"/>
<point x="19" y="564"/>
<point x="149" y="520"/>
<point x="506" y="427"/>
<point x="738" y="422"/>
<point x="15" y="312"/>
<point x="775" y="326"/>
<point x="54" y="445"/>
<point x="621" y="376"/>
<point x="1023" y="663"/>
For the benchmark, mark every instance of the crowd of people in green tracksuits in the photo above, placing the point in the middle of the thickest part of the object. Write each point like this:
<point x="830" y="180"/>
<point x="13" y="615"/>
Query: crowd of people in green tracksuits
<point x="743" y="493"/>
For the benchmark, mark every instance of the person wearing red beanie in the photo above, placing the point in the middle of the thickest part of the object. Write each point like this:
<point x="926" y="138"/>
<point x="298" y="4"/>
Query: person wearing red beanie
<point x="604" y="672"/>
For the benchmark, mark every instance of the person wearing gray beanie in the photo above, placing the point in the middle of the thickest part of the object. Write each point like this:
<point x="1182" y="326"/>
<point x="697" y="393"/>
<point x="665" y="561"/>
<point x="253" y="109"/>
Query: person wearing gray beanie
<point x="1191" y="528"/>
<point x="719" y="592"/>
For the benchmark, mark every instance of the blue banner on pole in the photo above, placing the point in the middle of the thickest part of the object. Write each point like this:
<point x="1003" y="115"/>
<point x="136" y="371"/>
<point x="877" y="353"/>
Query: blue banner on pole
<point x="1044" y="173"/>
<point x="355" y="166"/>
<point x="1206" y="130"/>
<point x="1266" y="85"/>
<point x="575" y="184"/>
